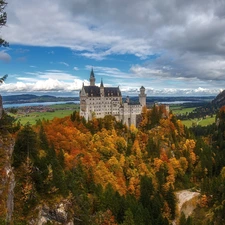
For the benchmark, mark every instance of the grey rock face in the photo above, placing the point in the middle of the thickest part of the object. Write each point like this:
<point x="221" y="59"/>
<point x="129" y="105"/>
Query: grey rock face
<point x="1" y="107"/>
<point x="58" y="214"/>
<point x="7" y="180"/>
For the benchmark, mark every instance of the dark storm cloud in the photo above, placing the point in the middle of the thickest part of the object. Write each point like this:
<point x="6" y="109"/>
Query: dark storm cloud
<point x="188" y="36"/>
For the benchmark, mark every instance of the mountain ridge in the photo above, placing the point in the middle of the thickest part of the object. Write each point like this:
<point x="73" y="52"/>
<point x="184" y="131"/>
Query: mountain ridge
<point x="220" y="99"/>
<point x="28" y="98"/>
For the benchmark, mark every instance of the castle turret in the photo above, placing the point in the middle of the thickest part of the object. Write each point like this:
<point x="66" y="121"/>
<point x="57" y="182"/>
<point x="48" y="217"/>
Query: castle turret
<point x="92" y="78"/>
<point x="127" y="99"/>
<point x="82" y="91"/>
<point x="83" y="103"/>
<point x="142" y="96"/>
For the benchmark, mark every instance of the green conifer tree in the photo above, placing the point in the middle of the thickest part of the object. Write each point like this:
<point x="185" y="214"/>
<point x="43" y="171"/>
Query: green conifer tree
<point x="25" y="146"/>
<point x="128" y="218"/>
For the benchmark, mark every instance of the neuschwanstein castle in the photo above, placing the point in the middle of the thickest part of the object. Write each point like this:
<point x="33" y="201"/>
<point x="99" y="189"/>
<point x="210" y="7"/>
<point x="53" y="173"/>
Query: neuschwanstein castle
<point x="101" y="101"/>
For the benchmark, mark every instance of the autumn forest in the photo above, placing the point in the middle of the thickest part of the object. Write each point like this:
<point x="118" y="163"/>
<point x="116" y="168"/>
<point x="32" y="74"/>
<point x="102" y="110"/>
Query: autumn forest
<point x="106" y="173"/>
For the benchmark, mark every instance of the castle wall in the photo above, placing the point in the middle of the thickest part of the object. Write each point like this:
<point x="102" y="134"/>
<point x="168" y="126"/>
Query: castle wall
<point x="99" y="106"/>
<point x="128" y="114"/>
<point x="129" y="119"/>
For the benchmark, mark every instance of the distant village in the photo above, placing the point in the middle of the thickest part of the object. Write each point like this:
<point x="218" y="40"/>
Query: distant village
<point x="42" y="109"/>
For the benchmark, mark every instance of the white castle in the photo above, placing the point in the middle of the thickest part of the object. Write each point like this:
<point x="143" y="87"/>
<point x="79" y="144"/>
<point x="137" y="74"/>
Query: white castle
<point x="101" y="101"/>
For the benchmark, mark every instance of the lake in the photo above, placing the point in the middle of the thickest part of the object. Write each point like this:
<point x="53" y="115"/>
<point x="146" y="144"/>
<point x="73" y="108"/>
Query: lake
<point x="17" y="105"/>
<point x="176" y="102"/>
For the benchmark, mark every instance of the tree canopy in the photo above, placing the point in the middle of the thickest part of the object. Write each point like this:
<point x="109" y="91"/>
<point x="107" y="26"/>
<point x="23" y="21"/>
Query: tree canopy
<point x="2" y="79"/>
<point x="3" y="19"/>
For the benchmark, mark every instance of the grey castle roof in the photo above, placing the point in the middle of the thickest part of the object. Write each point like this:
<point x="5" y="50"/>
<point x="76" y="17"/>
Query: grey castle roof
<point x="132" y="104"/>
<point x="94" y="91"/>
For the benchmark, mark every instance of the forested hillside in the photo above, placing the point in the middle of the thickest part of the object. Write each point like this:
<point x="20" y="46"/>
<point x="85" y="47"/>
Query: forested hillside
<point x="220" y="99"/>
<point x="102" y="172"/>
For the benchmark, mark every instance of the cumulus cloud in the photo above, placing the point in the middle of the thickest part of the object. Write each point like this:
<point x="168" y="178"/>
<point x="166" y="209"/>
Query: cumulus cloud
<point x="58" y="86"/>
<point x="171" y="91"/>
<point x="49" y="85"/>
<point x="52" y="81"/>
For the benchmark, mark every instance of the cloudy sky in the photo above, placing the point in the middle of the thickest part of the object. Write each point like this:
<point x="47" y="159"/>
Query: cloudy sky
<point x="173" y="47"/>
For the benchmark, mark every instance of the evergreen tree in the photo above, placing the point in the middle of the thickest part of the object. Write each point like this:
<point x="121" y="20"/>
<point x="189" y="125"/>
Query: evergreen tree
<point x="76" y="180"/>
<point x="43" y="139"/>
<point x="139" y="215"/>
<point x="2" y="79"/>
<point x="147" y="191"/>
<point x="152" y="148"/>
<point x="155" y="115"/>
<point x="189" y="221"/>
<point x="25" y="146"/>
<point x="171" y="200"/>
<point x="3" y="19"/>
<point x="128" y="218"/>
<point x="7" y="123"/>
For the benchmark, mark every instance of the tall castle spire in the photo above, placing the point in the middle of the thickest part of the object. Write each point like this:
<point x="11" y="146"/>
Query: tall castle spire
<point x="101" y="83"/>
<point x="101" y="88"/>
<point x="92" y="78"/>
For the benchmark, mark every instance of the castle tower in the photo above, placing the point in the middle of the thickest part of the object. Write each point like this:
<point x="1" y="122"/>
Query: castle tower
<point x="102" y="89"/>
<point x="83" y="103"/>
<point x="92" y="78"/>
<point x="142" y="96"/>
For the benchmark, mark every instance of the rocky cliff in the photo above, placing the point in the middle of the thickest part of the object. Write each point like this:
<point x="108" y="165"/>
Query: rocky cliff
<point x="56" y="214"/>
<point x="7" y="179"/>
<point x="1" y="107"/>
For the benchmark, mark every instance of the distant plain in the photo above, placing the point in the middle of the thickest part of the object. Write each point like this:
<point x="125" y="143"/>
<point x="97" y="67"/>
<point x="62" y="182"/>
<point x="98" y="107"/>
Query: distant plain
<point x="57" y="111"/>
<point x="63" y="110"/>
